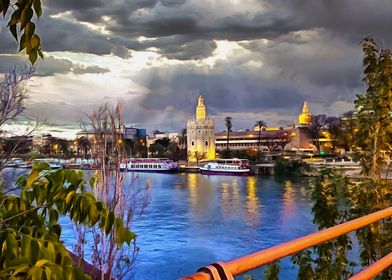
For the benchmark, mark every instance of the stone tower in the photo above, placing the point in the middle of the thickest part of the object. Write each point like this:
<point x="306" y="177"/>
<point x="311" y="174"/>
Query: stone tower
<point x="200" y="135"/>
<point x="305" y="118"/>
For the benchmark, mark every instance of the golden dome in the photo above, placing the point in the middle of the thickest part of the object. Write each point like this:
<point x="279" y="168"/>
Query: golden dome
<point x="305" y="118"/>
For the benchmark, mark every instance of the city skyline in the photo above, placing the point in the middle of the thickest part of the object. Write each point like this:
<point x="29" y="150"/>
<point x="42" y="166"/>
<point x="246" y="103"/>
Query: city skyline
<point x="249" y="59"/>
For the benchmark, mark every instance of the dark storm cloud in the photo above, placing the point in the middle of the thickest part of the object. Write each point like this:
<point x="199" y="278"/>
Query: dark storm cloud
<point x="49" y="66"/>
<point x="346" y="18"/>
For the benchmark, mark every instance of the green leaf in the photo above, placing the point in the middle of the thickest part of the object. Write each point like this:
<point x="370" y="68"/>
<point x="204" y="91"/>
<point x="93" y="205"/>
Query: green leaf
<point x="69" y="197"/>
<point x="48" y="273"/>
<point x="4" y="5"/>
<point x="109" y="222"/>
<point x="35" y="42"/>
<point x="53" y="216"/>
<point x="40" y="54"/>
<point x="37" y="7"/>
<point x="25" y="17"/>
<point x="30" y="29"/>
<point x="22" y="43"/>
<point x="41" y="263"/>
<point x="13" y="31"/>
<point x="92" y="181"/>
<point x="15" y="18"/>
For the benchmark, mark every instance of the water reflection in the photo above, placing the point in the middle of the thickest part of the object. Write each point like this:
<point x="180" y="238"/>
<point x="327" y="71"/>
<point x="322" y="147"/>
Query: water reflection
<point x="201" y="193"/>
<point x="252" y="202"/>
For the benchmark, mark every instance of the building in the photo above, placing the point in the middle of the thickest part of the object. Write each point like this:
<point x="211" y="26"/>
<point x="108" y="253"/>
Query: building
<point x="272" y="139"/>
<point x="294" y="138"/>
<point x="305" y="118"/>
<point x="201" y="135"/>
<point x="134" y="139"/>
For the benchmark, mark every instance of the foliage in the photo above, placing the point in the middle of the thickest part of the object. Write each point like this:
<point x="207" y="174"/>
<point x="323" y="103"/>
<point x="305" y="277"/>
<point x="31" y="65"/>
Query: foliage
<point x="21" y="20"/>
<point x="126" y="201"/>
<point x="346" y="136"/>
<point x="373" y="140"/>
<point x="260" y="124"/>
<point x="272" y="271"/>
<point x="315" y="128"/>
<point x="334" y="129"/>
<point x="229" y="126"/>
<point x="30" y="233"/>
<point x="286" y="167"/>
<point x="331" y="260"/>
<point x="12" y="95"/>
<point x="372" y="144"/>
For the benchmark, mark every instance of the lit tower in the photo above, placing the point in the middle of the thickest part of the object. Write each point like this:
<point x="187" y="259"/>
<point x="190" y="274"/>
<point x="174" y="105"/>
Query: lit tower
<point x="305" y="118"/>
<point x="200" y="109"/>
<point x="200" y="135"/>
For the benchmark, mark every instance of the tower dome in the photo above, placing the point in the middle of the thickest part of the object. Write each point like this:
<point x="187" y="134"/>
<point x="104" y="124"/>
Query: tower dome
<point x="200" y="109"/>
<point x="305" y="118"/>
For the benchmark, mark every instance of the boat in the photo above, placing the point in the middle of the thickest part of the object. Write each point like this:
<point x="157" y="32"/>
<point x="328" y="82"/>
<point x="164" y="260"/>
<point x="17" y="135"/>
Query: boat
<point x="233" y="167"/>
<point x="53" y="163"/>
<point x="21" y="163"/>
<point x="162" y="165"/>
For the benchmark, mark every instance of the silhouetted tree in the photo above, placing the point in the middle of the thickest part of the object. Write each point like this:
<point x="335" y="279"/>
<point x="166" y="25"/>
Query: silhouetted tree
<point x="229" y="126"/>
<point x="84" y="145"/>
<point x="333" y="127"/>
<point x="260" y="124"/>
<point x="315" y="128"/>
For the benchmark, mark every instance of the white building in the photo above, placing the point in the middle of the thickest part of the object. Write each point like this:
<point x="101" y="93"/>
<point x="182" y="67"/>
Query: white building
<point x="200" y="135"/>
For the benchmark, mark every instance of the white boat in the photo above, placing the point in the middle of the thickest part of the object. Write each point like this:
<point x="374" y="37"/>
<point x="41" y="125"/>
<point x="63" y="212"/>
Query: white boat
<point x="236" y="167"/>
<point x="21" y="163"/>
<point x="152" y="165"/>
<point x="53" y="163"/>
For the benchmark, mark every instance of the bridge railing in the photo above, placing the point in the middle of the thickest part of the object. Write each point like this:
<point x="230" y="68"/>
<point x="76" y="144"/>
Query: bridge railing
<point x="249" y="262"/>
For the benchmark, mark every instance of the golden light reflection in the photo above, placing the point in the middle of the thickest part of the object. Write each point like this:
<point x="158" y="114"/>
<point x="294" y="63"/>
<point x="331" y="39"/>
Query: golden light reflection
<point x="200" y="193"/>
<point x="288" y="200"/>
<point x="252" y="201"/>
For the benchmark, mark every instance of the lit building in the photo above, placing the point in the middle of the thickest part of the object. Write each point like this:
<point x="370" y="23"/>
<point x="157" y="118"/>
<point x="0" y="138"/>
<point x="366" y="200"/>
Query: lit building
<point x="294" y="138"/>
<point x="305" y="118"/>
<point x="201" y="135"/>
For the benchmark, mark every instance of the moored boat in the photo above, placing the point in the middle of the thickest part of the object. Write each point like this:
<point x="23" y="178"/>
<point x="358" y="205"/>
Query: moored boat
<point x="53" y="163"/>
<point x="152" y="165"/>
<point x="232" y="167"/>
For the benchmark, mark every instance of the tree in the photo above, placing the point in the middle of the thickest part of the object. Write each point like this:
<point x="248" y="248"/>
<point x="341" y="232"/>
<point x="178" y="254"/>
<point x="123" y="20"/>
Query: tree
<point x="346" y="137"/>
<point x="334" y="129"/>
<point x="125" y="200"/>
<point x="260" y="124"/>
<point x="229" y="126"/>
<point x="370" y="193"/>
<point x="199" y="156"/>
<point x="12" y="104"/>
<point x="30" y="233"/>
<point x="21" y="20"/>
<point x="12" y="94"/>
<point x="315" y="128"/>
<point x="183" y="139"/>
<point x="84" y="145"/>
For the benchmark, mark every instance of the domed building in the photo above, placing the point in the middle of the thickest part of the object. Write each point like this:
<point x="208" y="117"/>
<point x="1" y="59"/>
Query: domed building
<point x="305" y="118"/>
<point x="201" y="135"/>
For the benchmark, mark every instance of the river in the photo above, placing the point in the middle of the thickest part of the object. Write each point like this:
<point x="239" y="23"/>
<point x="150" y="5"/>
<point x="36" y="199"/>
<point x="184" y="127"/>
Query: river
<point x="194" y="220"/>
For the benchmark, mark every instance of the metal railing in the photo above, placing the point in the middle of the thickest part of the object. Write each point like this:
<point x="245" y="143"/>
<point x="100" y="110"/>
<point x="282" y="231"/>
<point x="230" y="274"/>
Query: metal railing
<point x="260" y="258"/>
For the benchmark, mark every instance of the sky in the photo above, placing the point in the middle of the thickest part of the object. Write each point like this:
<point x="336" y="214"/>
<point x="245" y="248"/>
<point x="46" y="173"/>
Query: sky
<point x="250" y="59"/>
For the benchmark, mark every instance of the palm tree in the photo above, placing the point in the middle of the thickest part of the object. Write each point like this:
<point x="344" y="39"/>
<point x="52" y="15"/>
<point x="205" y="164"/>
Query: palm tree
<point x="260" y="124"/>
<point x="84" y="145"/>
<point x="229" y="126"/>
<point x="183" y="139"/>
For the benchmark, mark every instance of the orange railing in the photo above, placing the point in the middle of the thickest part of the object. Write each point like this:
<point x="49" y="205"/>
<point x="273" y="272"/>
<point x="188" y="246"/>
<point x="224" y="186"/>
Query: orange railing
<point x="246" y="263"/>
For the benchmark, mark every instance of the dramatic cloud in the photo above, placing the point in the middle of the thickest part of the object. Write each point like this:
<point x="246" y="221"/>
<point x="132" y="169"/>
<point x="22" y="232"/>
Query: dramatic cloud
<point x="251" y="59"/>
